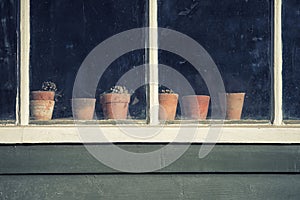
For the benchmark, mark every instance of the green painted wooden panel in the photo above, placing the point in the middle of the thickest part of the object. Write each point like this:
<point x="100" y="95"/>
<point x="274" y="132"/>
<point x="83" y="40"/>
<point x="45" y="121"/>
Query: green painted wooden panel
<point x="65" y="159"/>
<point x="173" y="187"/>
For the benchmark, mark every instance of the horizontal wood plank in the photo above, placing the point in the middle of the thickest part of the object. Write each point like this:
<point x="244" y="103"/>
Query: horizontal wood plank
<point x="47" y="159"/>
<point x="165" y="187"/>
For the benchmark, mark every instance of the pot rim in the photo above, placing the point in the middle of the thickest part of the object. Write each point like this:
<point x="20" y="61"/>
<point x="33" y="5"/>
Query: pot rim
<point x="82" y="99"/>
<point x="165" y="94"/>
<point x="125" y="97"/>
<point x="189" y="96"/>
<point x="41" y="100"/>
<point x="235" y="93"/>
<point x="117" y="94"/>
<point x="41" y="91"/>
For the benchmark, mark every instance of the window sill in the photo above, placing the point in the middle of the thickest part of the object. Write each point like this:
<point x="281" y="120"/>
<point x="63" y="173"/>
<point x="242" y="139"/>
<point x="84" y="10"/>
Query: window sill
<point x="229" y="134"/>
<point x="72" y="122"/>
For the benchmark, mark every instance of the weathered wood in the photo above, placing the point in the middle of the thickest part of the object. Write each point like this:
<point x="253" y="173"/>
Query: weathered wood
<point x="49" y="159"/>
<point x="150" y="187"/>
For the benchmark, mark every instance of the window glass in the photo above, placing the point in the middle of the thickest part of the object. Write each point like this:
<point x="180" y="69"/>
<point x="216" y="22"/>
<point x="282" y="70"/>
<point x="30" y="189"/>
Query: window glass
<point x="237" y="35"/>
<point x="291" y="58"/>
<point x="8" y="58"/>
<point x="64" y="32"/>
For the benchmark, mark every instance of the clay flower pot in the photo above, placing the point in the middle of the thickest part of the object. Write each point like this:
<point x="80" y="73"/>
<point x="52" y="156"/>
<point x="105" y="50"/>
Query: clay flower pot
<point x="42" y="104"/>
<point x="167" y="106"/>
<point x="195" y="106"/>
<point x="41" y="109"/>
<point x="234" y="103"/>
<point x="115" y="106"/>
<point x="83" y="108"/>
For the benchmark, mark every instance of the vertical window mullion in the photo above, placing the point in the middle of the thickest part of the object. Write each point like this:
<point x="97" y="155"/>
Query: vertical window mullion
<point x="153" y="64"/>
<point x="24" y="61"/>
<point x="278" y="116"/>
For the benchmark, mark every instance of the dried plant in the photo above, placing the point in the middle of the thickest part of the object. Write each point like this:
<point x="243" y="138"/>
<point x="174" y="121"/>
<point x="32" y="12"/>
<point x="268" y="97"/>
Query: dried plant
<point x="118" y="90"/>
<point x="165" y="90"/>
<point x="49" y="86"/>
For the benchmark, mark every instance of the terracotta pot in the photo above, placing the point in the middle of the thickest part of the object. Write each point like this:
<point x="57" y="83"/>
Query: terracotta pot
<point x="234" y="103"/>
<point x="167" y="106"/>
<point x="83" y="108"/>
<point x="42" y="95"/>
<point x="195" y="106"/>
<point x="41" y="109"/>
<point x="115" y="106"/>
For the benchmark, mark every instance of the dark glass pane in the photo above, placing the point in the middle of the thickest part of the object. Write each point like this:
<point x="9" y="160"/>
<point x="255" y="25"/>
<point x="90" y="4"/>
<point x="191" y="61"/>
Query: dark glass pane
<point x="291" y="58"/>
<point x="237" y="35"/>
<point x="64" y="32"/>
<point x="8" y="58"/>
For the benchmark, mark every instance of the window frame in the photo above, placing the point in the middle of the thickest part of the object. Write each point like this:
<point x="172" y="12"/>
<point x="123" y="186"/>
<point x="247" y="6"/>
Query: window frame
<point x="275" y="131"/>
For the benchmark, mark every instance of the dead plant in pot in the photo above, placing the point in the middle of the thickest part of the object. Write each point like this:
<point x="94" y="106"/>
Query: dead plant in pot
<point x="42" y="101"/>
<point x="168" y="101"/>
<point x="115" y="102"/>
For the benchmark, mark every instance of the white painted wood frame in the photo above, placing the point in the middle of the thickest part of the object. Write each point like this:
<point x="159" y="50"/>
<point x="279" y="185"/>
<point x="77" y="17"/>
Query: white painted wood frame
<point x="23" y="132"/>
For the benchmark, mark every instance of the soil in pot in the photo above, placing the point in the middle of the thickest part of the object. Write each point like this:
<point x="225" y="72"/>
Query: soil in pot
<point x="41" y="109"/>
<point x="234" y="103"/>
<point x="115" y="106"/>
<point x="195" y="106"/>
<point x="83" y="108"/>
<point x="167" y="106"/>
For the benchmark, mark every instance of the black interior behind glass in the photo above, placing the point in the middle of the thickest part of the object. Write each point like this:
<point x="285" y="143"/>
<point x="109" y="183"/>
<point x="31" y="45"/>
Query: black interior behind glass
<point x="8" y="58"/>
<point x="237" y="35"/>
<point x="63" y="32"/>
<point x="291" y="58"/>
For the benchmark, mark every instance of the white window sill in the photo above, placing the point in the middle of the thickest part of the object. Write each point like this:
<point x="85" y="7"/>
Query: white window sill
<point x="288" y="134"/>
